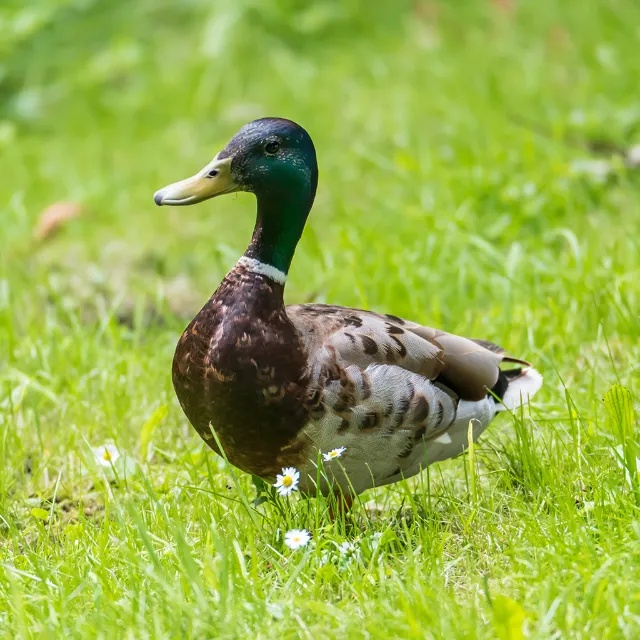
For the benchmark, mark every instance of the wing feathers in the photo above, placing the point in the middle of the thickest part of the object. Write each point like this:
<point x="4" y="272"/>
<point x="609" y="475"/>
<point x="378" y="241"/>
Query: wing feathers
<point x="468" y="367"/>
<point x="396" y="394"/>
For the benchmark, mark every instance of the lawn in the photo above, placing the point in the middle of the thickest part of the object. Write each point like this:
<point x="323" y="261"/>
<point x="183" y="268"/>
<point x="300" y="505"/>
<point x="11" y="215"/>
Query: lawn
<point x="464" y="183"/>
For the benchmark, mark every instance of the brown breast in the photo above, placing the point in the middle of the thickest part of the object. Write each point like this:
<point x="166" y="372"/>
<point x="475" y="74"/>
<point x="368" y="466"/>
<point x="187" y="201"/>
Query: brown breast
<point x="240" y="367"/>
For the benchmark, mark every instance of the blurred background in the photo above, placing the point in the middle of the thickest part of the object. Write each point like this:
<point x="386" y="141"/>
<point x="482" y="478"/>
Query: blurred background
<point x="478" y="173"/>
<point x="475" y="174"/>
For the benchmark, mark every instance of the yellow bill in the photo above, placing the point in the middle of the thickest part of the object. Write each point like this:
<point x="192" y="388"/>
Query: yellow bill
<point x="211" y="181"/>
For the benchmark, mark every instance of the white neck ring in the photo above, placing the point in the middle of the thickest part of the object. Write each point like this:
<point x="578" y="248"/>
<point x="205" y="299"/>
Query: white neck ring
<point x="255" y="266"/>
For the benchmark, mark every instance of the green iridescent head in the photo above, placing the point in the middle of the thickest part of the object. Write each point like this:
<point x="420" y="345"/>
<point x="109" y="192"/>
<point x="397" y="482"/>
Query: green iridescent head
<point x="274" y="159"/>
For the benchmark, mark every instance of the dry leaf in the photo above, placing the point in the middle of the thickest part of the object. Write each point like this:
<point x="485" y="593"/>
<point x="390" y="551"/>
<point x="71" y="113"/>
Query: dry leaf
<point x="508" y="6"/>
<point x="54" y="217"/>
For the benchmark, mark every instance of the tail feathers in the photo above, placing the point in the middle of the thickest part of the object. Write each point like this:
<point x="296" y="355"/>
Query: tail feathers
<point x="490" y="346"/>
<point x="521" y="386"/>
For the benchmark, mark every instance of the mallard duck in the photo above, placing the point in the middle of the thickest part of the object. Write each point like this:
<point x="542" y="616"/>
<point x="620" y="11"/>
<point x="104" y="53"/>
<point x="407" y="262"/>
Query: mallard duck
<point x="282" y="384"/>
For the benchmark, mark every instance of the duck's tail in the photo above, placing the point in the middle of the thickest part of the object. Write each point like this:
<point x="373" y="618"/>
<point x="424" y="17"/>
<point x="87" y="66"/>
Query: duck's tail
<point x="516" y="387"/>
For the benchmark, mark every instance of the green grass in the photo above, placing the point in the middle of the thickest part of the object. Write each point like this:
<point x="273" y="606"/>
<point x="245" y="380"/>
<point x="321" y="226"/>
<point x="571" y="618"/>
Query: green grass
<point x="437" y="201"/>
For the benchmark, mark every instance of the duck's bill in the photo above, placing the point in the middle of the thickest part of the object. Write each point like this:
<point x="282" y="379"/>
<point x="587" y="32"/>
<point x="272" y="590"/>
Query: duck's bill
<point x="213" y="180"/>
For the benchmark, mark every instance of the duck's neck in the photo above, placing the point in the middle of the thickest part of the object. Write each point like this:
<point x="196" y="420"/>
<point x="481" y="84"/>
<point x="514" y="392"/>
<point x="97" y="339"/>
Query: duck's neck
<point x="280" y="221"/>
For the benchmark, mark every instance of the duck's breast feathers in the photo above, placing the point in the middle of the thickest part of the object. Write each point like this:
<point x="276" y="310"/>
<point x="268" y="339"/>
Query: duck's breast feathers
<point x="240" y="366"/>
<point x="467" y="367"/>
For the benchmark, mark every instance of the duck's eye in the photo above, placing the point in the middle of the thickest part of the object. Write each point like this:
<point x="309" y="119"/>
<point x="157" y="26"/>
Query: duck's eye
<point x="272" y="147"/>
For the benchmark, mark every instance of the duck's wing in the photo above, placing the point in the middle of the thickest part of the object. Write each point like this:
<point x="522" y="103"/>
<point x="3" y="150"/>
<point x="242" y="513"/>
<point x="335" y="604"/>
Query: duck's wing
<point x="383" y="387"/>
<point x="466" y="366"/>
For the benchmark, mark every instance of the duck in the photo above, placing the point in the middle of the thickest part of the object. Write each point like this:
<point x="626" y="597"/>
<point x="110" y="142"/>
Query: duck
<point x="343" y="399"/>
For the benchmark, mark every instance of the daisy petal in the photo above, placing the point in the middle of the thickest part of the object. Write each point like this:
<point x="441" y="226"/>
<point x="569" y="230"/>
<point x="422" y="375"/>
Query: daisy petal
<point x="334" y="453"/>
<point x="287" y="481"/>
<point x="296" y="538"/>
<point x="106" y="455"/>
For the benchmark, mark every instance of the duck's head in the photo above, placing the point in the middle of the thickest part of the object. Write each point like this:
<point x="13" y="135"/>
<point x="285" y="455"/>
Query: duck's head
<point x="270" y="157"/>
<point x="274" y="159"/>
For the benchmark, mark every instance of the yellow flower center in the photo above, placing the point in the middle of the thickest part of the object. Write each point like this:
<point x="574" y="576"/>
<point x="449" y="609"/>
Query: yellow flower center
<point x="106" y="455"/>
<point x="287" y="481"/>
<point x="333" y="454"/>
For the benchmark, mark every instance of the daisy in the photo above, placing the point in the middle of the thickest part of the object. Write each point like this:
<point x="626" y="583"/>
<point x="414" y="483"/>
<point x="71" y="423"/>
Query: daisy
<point x="106" y="455"/>
<point x="345" y="547"/>
<point x="296" y="538"/>
<point x="334" y="453"/>
<point x="288" y="481"/>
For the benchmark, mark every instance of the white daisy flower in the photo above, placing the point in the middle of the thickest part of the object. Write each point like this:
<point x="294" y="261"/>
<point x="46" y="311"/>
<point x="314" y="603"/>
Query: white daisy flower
<point x="106" y="455"/>
<point x="288" y="481"/>
<point x="334" y="453"/>
<point x="350" y="550"/>
<point x="296" y="538"/>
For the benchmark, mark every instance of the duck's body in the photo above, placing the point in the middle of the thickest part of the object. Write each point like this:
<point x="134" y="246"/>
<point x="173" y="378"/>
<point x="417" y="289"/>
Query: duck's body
<point x="281" y="385"/>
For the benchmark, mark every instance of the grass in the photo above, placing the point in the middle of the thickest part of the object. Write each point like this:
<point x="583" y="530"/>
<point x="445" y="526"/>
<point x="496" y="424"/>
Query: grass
<point x="448" y="137"/>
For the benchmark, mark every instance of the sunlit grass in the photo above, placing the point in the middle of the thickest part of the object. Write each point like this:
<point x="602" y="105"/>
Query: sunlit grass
<point x="448" y="194"/>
